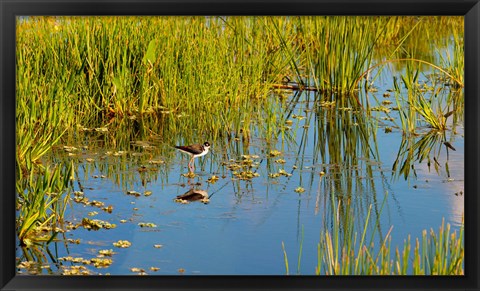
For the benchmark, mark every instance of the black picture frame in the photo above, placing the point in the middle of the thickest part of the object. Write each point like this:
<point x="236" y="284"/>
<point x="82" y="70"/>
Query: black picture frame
<point x="9" y="9"/>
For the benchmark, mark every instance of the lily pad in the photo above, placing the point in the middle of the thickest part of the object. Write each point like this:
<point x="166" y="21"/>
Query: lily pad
<point x="299" y="189"/>
<point x="274" y="153"/>
<point x="147" y="224"/>
<point x="213" y="179"/>
<point x="122" y="244"/>
<point x="133" y="193"/>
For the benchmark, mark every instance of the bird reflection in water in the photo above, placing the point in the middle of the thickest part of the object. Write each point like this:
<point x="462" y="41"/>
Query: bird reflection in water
<point x="193" y="195"/>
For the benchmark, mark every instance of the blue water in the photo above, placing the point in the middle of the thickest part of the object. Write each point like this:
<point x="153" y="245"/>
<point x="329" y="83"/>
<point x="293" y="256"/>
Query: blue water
<point x="241" y="230"/>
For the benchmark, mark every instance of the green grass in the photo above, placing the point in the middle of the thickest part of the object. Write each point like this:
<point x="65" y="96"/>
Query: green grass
<point x="421" y="105"/>
<point x="188" y="69"/>
<point x="338" y="50"/>
<point x="42" y="200"/>
<point x="435" y="253"/>
<point x="183" y="79"/>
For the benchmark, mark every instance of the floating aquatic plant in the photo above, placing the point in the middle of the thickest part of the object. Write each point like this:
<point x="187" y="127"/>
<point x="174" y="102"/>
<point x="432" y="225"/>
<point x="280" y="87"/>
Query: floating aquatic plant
<point x="122" y="244"/>
<point x="213" y="179"/>
<point x="299" y="189"/>
<point x="107" y="253"/>
<point x="147" y="224"/>
<point x="96" y="224"/>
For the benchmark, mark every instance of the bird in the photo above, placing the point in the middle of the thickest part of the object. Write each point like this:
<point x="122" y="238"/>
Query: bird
<point x="195" y="151"/>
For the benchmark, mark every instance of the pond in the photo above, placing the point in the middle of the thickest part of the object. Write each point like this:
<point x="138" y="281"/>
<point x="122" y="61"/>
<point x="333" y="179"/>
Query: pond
<point x="242" y="227"/>
<point x="264" y="198"/>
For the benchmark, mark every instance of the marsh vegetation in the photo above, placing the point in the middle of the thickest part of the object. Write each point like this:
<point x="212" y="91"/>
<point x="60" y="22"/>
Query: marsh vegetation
<point x="336" y="141"/>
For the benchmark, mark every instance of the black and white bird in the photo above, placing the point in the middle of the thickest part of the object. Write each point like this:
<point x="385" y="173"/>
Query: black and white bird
<point x="195" y="151"/>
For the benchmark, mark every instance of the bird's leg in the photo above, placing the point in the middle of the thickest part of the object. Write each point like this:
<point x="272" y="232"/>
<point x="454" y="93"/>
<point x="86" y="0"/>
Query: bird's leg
<point x="191" y="165"/>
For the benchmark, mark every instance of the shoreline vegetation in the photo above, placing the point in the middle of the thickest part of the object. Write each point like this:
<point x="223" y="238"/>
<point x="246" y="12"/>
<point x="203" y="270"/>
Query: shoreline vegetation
<point x="120" y="79"/>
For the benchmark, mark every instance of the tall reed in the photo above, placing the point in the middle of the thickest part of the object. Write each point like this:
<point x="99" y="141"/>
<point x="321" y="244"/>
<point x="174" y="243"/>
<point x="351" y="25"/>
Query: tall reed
<point x="435" y="253"/>
<point x="41" y="203"/>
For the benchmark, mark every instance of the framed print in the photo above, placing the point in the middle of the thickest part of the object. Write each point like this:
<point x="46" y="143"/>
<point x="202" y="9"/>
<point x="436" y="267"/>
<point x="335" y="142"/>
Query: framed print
<point x="239" y="145"/>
